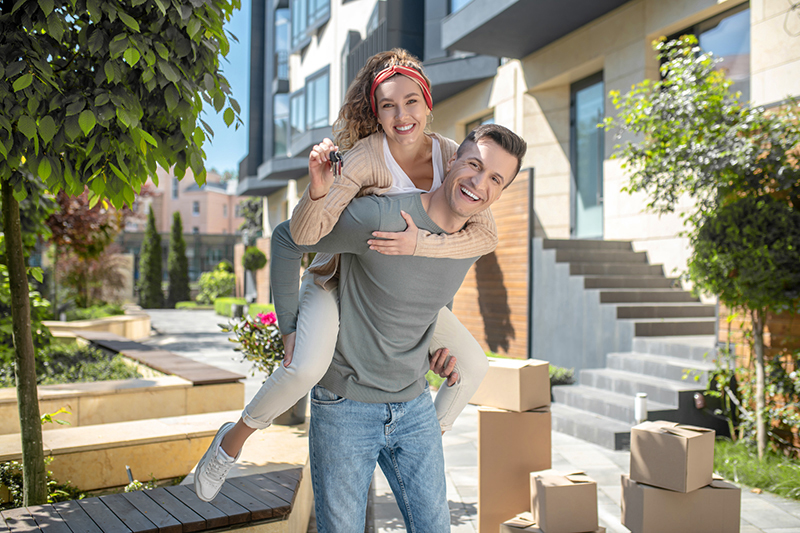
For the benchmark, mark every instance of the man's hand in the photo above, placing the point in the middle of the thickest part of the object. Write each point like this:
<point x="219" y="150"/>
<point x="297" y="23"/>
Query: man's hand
<point x="396" y="242"/>
<point x="444" y="364"/>
<point x="288" y="347"/>
<point x="319" y="168"/>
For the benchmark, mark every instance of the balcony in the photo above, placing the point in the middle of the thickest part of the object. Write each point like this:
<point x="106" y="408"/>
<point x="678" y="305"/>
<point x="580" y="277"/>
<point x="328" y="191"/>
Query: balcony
<point x="451" y="75"/>
<point x="517" y="28"/>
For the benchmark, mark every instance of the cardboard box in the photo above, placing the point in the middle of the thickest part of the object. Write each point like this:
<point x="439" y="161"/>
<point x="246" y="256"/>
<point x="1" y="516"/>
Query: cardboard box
<point x="510" y="446"/>
<point x="672" y="456"/>
<point x="714" y="508"/>
<point x="515" y="385"/>
<point x="563" y="503"/>
<point x="523" y="523"/>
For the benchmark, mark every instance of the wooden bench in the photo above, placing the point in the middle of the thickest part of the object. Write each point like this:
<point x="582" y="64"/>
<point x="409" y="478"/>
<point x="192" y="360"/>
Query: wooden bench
<point x="162" y="360"/>
<point x="273" y="501"/>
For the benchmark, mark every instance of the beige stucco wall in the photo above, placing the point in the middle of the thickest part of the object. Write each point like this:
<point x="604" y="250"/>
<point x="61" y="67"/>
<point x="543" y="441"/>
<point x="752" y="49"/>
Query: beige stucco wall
<point x="775" y="59"/>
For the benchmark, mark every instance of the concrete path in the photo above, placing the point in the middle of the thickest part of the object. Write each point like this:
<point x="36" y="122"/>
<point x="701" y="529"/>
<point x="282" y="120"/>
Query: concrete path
<point x="196" y="334"/>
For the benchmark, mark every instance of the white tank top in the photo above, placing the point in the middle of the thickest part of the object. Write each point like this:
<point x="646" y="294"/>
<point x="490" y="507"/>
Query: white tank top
<point x="401" y="183"/>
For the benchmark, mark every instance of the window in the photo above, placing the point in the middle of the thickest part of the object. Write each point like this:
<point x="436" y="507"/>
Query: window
<point x="280" y="124"/>
<point x="238" y="211"/>
<point x="317" y="97"/>
<point x="225" y="210"/>
<point x="196" y="208"/>
<point x="587" y="108"/>
<point x="727" y="36"/>
<point x="175" y="184"/>
<point x="282" y="24"/>
<point x="458" y="5"/>
<point x="195" y="231"/>
<point x="297" y="113"/>
<point x="489" y="119"/>
<point x="307" y="16"/>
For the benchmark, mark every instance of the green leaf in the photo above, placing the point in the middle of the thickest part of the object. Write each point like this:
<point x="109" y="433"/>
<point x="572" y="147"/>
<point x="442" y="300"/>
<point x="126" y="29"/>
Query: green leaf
<point x="161" y="50"/>
<point x="27" y="126"/>
<point x="171" y="96"/>
<point x="108" y="68"/>
<point x="128" y="21"/>
<point x="55" y="26"/>
<point x="86" y="121"/>
<point x="118" y="172"/>
<point x="101" y="99"/>
<point x="97" y="186"/>
<point x="229" y="116"/>
<point x="47" y="6"/>
<point x="131" y="56"/>
<point x="193" y="27"/>
<point x="147" y="137"/>
<point x="168" y="72"/>
<point x="37" y="274"/>
<point x="22" y="82"/>
<point x="47" y="128"/>
<point x="124" y="116"/>
<point x="44" y="169"/>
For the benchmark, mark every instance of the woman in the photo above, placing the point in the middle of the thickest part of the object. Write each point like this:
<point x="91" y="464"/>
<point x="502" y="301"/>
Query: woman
<point x="386" y="151"/>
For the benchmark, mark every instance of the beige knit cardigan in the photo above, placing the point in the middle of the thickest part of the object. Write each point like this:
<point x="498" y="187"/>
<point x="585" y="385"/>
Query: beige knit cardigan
<point x="364" y="172"/>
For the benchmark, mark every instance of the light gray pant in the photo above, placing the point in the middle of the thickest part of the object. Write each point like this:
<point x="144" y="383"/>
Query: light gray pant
<point x="317" y="330"/>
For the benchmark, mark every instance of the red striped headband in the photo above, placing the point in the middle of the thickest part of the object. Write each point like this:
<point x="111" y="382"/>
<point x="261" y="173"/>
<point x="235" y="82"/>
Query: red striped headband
<point x="408" y="72"/>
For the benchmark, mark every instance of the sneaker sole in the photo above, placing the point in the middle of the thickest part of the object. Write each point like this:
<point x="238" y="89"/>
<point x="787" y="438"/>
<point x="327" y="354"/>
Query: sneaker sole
<point x="211" y="449"/>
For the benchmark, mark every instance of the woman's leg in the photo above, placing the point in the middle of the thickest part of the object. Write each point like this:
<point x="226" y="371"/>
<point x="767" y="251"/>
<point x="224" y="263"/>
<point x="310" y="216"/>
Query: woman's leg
<point x="471" y="365"/>
<point x="317" y="330"/>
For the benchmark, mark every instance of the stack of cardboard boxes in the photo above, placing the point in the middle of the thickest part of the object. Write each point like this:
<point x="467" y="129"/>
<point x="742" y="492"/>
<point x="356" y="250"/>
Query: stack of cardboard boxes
<point x="671" y="485"/>
<point x="513" y="437"/>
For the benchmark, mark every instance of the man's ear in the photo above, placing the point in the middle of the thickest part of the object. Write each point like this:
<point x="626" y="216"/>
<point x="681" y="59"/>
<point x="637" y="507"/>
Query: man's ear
<point x="450" y="162"/>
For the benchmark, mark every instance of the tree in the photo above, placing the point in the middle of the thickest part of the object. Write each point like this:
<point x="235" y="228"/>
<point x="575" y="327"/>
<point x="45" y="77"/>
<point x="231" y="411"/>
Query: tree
<point x="697" y="140"/>
<point x="150" y="266"/>
<point x="253" y="260"/>
<point x="252" y="211"/>
<point x="97" y="93"/>
<point x="177" y="264"/>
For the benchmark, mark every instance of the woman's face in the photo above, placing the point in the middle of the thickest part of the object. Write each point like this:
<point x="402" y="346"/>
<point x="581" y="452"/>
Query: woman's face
<point x="401" y="110"/>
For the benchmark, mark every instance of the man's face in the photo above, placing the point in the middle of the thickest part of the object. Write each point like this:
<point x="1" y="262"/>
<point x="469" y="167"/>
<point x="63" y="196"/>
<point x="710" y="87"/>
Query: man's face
<point x="477" y="178"/>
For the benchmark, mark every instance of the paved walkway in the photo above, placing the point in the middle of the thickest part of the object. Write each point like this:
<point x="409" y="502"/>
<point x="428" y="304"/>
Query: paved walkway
<point x="196" y="334"/>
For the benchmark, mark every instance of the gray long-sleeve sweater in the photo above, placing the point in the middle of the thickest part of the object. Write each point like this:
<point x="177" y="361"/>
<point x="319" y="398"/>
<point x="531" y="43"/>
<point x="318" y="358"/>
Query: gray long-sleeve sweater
<point x="388" y="304"/>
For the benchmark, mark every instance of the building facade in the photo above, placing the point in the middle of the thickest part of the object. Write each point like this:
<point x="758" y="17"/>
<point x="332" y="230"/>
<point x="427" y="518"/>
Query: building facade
<point x="540" y="68"/>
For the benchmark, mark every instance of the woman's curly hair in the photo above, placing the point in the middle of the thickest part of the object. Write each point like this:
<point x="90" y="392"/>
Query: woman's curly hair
<point x="356" y="119"/>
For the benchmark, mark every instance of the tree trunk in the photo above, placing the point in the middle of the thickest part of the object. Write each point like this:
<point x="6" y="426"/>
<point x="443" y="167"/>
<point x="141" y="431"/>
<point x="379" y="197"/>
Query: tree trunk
<point x="758" y="346"/>
<point x="33" y="469"/>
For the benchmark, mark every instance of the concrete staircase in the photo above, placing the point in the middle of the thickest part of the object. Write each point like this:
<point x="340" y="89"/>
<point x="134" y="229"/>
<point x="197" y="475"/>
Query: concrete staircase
<point x="672" y="333"/>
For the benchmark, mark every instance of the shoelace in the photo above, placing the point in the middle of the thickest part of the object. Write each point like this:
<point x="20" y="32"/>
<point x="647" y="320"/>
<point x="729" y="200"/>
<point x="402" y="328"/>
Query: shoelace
<point x="217" y="469"/>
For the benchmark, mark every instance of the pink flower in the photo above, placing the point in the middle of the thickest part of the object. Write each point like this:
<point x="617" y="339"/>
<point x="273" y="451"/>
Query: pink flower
<point x="267" y="319"/>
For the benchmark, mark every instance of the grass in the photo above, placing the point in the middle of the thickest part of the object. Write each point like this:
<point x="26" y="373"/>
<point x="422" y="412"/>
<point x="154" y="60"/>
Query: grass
<point x="192" y="305"/>
<point x="775" y="473"/>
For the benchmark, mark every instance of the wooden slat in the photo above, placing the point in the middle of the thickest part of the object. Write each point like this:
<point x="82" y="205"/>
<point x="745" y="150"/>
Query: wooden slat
<point x="273" y="487"/>
<point x="236" y="513"/>
<point x="103" y="516"/>
<point x="165" y="522"/>
<point x="19" y="520"/>
<point x="284" y="476"/>
<point x="76" y="518"/>
<point x="48" y="519"/>
<point x="130" y="515"/>
<point x="214" y="517"/>
<point x="279" y="506"/>
<point x="258" y="509"/>
<point x="190" y="520"/>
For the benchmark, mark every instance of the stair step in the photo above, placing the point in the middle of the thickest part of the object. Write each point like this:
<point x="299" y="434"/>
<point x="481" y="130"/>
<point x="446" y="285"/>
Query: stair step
<point x="585" y="244"/>
<point x="567" y="255"/>
<point x="663" y="327"/>
<point x="697" y="348"/>
<point x="657" y="388"/>
<point x="673" y="368"/>
<point x="645" y="296"/>
<point x="577" y="268"/>
<point x="601" y="402"/>
<point x="630" y="282"/>
<point x="594" y="428"/>
<point x="666" y="310"/>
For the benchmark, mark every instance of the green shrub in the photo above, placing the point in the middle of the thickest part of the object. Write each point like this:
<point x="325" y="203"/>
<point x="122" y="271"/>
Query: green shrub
<point x="561" y="376"/>
<point x="192" y="305"/>
<point x="222" y="306"/>
<point x="774" y="473"/>
<point x="95" y="311"/>
<point x="254" y="309"/>
<point x="177" y="263"/>
<point x="11" y="477"/>
<point x="225" y="266"/>
<point x="150" y="267"/>
<point x="254" y="259"/>
<point x="215" y="285"/>
<point x="73" y="363"/>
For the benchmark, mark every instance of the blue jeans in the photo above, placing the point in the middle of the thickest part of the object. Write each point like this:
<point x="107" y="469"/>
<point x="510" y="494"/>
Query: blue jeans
<point x="346" y="440"/>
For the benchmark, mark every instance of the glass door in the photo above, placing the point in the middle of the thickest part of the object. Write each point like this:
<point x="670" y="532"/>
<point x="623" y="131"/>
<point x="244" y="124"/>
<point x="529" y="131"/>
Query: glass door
<point x="587" y="108"/>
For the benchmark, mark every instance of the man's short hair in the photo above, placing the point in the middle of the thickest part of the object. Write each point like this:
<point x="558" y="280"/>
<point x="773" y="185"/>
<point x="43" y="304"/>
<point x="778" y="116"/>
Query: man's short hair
<point x="504" y="137"/>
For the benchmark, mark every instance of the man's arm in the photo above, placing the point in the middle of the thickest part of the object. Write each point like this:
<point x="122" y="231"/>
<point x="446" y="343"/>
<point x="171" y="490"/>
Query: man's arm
<point x="350" y="235"/>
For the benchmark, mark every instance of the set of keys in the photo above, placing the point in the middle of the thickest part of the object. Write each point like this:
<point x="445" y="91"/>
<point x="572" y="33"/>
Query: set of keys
<point x="336" y="162"/>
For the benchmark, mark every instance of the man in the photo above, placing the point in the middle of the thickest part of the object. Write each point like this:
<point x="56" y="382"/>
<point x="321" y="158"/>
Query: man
<point x="373" y="406"/>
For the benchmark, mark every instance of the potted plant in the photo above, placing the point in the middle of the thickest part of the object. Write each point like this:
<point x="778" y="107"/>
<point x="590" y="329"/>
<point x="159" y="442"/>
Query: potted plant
<point x="260" y="341"/>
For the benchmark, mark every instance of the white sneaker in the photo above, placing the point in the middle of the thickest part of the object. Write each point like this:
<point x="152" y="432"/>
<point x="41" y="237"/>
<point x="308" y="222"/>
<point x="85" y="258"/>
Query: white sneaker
<point x="213" y="467"/>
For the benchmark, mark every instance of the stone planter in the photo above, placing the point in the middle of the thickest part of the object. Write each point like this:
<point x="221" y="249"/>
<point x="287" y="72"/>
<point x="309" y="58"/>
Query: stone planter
<point x="295" y="415"/>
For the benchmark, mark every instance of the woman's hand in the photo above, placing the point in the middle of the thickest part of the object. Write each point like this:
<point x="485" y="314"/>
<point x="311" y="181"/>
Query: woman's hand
<point x="288" y="348"/>
<point x="396" y="242"/>
<point x="444" y="364"/>
<point x="319" y="168"/>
